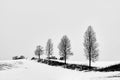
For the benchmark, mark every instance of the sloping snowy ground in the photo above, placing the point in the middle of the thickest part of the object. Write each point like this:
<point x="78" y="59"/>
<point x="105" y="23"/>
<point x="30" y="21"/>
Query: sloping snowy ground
<point x="31" y="70"/>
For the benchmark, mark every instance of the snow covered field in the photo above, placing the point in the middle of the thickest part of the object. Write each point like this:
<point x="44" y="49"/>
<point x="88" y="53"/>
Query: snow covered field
<point x="31" y="70"/>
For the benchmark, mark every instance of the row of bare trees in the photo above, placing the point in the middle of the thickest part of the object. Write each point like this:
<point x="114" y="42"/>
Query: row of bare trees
<point x="90" y="47"/>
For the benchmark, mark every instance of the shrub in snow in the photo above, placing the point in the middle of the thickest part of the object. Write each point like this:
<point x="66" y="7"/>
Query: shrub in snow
<point x="62" y="58"/>
<point x="33" y="58"/>
<point x="16" y="57"/>
<point x="52" y="57"/>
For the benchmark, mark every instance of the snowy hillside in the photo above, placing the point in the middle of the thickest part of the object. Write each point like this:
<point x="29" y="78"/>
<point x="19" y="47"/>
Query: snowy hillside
<point x="31" y="70"/>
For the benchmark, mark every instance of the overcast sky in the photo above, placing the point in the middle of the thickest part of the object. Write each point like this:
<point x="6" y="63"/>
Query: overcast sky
<point x="24" y="24"/>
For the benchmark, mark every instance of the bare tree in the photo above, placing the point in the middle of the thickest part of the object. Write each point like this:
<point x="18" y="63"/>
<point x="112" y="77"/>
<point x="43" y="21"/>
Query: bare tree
<point x="39" y="51"/>
<point x="49" y="48"/>
<point x="90" y="45"/>
<point x="65" y="48"/>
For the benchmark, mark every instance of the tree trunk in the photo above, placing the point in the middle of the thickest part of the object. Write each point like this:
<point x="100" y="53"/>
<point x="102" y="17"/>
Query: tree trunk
<point x="90" y="46"/>
<point x="39" y="57"/>
<point x="90" y="62"/>
<point x="48" y="58"/>
<point x="65" y="60"/>
<point x="90" y="59"/>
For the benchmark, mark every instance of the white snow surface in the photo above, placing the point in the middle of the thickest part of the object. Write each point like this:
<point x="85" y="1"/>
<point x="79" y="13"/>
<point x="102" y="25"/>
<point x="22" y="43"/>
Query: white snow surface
<point x="31" y="70"/>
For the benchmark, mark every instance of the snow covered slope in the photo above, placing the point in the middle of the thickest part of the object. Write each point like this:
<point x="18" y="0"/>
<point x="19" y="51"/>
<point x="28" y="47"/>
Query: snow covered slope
<point x="30" y="70"/>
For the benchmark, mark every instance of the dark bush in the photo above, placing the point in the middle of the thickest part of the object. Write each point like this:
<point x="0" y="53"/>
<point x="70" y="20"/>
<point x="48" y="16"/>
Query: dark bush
<point x="115" y="67"/>
<point x="52" y="57"/>
<point x="21" y="57"/>
<point x="16" y="57"/>
<point x="62" y="58"/>
<point x="33" y="58"/>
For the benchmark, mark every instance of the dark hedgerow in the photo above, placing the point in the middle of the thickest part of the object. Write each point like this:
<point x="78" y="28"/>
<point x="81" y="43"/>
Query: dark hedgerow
<point x="115" y="67"/>
<point x="68" y="66"/>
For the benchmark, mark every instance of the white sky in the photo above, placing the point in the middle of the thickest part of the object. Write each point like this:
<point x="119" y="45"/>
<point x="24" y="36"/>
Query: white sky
<point x="24" y="24"/>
